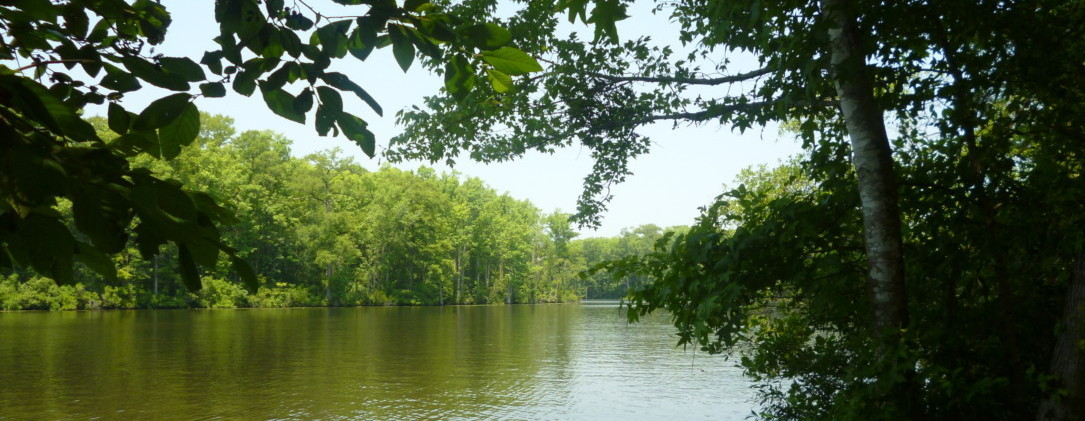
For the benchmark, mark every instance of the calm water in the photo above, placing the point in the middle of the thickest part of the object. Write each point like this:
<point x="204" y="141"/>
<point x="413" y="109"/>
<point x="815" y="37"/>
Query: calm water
<point x="545" y="362"/>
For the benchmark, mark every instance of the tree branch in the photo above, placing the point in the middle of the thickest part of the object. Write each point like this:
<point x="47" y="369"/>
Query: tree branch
<point x="46" y="62"/>
<point x="703" y="115"/>
<point x="740" y="77"/>
<point x="689" y="81"/>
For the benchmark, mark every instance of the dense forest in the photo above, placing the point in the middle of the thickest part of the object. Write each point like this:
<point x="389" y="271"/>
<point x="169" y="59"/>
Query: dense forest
<point x="322" y="230"/>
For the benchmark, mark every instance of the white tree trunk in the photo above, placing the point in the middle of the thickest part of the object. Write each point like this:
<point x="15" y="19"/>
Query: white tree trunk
<point x="872" y="158"/>
<point x="873" y="162"/>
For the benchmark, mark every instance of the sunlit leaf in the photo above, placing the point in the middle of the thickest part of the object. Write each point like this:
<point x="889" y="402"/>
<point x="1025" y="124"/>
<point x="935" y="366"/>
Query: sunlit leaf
<point x="511" y="61"/>
<point x="402" y="48"/>
<point x="501" y="82"/>
<point x="162" y="111"/>
<point x="179" y="132"/>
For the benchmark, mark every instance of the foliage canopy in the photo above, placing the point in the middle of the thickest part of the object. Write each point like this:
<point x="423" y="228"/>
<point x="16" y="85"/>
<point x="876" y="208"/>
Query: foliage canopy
<point x="962" y="301"/>
<point x="50" y="152"/>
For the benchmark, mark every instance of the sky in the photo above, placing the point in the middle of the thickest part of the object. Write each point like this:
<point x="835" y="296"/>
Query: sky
<point x="686" y="168"/>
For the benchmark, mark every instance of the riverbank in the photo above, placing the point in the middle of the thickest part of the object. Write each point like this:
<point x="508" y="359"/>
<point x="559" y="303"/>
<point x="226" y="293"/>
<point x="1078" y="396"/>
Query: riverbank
<point x="39" y="293"/>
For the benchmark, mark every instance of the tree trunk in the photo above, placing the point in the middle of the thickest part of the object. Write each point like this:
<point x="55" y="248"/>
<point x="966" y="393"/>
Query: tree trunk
<point x="872" y="158"/>
<point x="156" y="274"/>
<point x="508" y="284"/>
<point x="1067" y="362"/>
<point x="459" y="275"/>
<point x="328" y="285"/>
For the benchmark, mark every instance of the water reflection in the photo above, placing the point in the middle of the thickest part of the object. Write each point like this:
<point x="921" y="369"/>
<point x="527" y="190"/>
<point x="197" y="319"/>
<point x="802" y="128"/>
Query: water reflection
<point x="501" y="362"/>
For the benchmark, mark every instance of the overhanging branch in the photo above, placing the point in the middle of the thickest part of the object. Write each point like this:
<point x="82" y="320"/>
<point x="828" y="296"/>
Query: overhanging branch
<point x="688" y="81"/>
<point x="740" y="77"/>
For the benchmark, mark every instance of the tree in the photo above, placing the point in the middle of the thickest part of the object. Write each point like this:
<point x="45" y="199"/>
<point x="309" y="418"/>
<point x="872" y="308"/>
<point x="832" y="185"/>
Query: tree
<point x="53" y="153"/>
<point x="981" y="136"/>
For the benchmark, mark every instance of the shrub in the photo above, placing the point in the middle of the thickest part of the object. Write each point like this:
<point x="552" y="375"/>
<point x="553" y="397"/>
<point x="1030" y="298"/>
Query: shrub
<point x="284" y="295"/>
<point x="120" y="297"/>
<point x="220" y="293"/>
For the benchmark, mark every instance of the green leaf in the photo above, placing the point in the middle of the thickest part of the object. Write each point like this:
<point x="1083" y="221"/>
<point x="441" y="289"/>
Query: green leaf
<point x="119" y="119"/>
<point x="148" y="241"/>
<point x="459" y="79"/>
<point x="162" y="111"/>
<point x="38" y="103"/>
<point x="245" y="272"/>
<point x="183" y="67"/>
<point x="51" y="246"/>
<point x="134" y="143"/>
<point x="169" y="202"/>
<point x="333" y="38"/>
<point x="501" y="82"/>
<point x="152" y="74"/>
<point x="342" y="82"/>
<point x="273" y="7"/>
<point x="438" y="29"/>
<point x="207" y="205"/>
<point x="604" y="16"/>
<point x="242" y="17"/>
<point x="102" y="216"/>
<point x="487" y="36"/>
<point x="273" y="45"/>
<point x="362" y="41"/>
<point x="278" y="78"/>
<point x="402" y="48"/>
<point x="33" y="174"/>
<point x="298" y="22"/>
<point x="245" y="82"/>
<point x="576" y="8"/>
<point x="67" y="51"/>
<point x="304" y="102"/>
<point x="213" y="61"/>
<point x="190" y="275"/>
<point x="75" y="20"/>
<point x="204" y="252"/>
<point x="99" y="31"/>
<point x="355" y="129"/>
<point x="213" y="89"/>
<point x="97" y="261"/>
<point x="330" y="99"/>
<point x="282" y="103"/>
<point x="179" y="132"/>
<point x="325" y="118"/>
<point x="511" y="61"/>
<point x="413" y="5"/>
<point x="119" y="80"/>
<point x="92" y="61"/>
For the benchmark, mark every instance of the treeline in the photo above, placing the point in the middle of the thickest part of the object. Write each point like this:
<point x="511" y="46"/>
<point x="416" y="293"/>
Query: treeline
<point x="323" y="230"/>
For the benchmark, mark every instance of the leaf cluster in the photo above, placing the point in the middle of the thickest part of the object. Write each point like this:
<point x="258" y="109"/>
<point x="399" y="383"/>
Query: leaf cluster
<point x="54" y="155"/>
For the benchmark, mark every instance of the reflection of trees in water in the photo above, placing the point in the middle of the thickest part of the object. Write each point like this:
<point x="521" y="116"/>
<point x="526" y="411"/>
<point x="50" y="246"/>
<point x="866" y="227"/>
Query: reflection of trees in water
<point x="473" y="362"/>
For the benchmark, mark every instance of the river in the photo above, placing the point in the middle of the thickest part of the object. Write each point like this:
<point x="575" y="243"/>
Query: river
<point x="522" y="362"/>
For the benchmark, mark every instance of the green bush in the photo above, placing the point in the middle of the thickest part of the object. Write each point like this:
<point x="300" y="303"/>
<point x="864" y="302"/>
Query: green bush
<point x="120" y="297"/>
<point x="284" y="295"/>
<point x="37" y="293"/>
<point x="150" y="300"/>
<point x="220" y="293"/>
<point x="9" y="290"/>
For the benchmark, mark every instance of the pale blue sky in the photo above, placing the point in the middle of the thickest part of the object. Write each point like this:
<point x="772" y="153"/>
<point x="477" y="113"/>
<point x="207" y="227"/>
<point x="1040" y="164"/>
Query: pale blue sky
<point x="686" y="168"/>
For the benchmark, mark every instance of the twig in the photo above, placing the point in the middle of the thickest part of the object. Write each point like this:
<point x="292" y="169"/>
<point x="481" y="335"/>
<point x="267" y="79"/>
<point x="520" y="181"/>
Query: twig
<point x="39" y="63"/>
